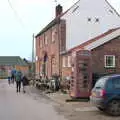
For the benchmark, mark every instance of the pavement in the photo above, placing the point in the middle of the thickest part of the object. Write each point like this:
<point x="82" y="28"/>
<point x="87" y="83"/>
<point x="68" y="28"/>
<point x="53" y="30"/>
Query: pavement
<point x="61" y="98"/>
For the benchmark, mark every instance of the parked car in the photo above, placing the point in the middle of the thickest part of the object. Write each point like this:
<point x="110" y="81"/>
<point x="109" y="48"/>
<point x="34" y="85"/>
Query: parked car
<point x="106" y="94"/>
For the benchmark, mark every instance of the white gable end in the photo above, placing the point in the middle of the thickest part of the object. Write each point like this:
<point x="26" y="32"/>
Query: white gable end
<point x="88" y="19"/>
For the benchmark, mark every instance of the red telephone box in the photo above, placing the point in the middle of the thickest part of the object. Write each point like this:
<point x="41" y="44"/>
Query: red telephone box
<point x="81" y="76"/>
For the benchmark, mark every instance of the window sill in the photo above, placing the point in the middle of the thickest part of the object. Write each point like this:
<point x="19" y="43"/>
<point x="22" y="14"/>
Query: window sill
<point x="109" y="67"/>
<point x="67" y="67"/>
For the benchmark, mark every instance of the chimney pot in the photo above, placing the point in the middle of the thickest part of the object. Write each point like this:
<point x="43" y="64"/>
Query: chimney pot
<point x="59" y="10"/>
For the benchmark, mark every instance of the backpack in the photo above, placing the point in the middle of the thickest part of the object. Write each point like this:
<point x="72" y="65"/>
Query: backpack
<point x="18" y="76"/>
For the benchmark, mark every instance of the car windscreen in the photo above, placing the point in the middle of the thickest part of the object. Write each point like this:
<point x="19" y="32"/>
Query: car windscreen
<point x="101" y="83"/>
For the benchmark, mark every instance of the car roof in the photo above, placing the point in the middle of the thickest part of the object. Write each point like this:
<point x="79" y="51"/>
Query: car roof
<point x="112" y="75"/>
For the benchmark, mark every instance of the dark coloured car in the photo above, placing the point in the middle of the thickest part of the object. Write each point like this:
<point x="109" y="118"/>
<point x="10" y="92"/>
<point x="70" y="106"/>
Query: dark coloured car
<point x="106" y="94"/>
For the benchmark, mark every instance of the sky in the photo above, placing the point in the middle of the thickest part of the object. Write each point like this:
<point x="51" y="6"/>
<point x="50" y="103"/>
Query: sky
<point x="19" y="19"/>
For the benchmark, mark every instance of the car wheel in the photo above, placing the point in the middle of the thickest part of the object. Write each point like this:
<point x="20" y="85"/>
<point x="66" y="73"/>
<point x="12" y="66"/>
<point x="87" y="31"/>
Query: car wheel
<point x="101" y="109"/>
<point x="113" y="107"/>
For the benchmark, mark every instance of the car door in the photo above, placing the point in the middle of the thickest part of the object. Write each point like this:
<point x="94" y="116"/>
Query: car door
<point x="116" y="86"/>
<point x="109" y="89"/>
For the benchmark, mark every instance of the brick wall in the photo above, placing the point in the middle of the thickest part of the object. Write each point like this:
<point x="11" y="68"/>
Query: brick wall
<point x="51" y="48"/>
<point x="110" y="48"/>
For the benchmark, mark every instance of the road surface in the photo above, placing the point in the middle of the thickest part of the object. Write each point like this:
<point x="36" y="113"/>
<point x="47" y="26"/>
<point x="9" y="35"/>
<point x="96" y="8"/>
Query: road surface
<point x="20" y="106"/>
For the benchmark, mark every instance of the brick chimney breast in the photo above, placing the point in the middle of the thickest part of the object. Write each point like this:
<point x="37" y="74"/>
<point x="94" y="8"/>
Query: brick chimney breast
<point x="59" y="10"/>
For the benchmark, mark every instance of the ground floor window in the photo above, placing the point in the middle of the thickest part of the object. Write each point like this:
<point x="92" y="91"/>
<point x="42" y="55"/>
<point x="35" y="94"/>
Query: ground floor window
<point x="109" y="60"/>
<point x="53" y="67"/>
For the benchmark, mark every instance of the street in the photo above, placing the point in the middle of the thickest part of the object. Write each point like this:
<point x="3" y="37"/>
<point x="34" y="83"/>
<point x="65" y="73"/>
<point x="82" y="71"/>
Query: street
<point x="33" y="105"/>
<point x="20" y="106"/>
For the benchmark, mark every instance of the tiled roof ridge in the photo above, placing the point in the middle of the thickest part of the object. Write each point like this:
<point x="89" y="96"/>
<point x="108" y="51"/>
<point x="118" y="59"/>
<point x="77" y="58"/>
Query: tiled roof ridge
<point x="81" y="46"/>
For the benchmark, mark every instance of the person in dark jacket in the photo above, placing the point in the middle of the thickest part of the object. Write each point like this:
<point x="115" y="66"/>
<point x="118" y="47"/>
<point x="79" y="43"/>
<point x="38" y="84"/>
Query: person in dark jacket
<point x="24" y="82"/>
<point x="18" y="80"/>
<point x="13" y="75"/>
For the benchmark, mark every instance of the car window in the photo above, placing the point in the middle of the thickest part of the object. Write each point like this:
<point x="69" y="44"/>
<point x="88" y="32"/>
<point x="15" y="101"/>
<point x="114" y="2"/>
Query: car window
<point x="101" y="83"/>
<point x="116" y="83"/>
<point x="109" y="85"/>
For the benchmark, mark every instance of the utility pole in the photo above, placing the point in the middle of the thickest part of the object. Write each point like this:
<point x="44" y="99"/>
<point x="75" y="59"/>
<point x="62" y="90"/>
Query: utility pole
<point x="33" y="55"/>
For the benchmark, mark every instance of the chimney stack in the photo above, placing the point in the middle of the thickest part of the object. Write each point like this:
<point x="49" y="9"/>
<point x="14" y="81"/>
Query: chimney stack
<point x="58" y="10"/>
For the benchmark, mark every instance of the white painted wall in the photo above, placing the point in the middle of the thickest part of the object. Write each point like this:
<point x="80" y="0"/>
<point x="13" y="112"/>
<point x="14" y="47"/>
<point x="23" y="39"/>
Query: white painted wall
<point x="79" y="30"/>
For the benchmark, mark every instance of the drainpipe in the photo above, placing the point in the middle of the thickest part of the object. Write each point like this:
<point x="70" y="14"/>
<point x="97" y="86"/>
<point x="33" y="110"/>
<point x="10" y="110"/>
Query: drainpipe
<point x="58" y="22"/>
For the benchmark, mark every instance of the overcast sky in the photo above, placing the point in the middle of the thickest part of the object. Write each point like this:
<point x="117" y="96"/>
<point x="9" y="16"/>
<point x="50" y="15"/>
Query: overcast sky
<point x="19" y="19"/>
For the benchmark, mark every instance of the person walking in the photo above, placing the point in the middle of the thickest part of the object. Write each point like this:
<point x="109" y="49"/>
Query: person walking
<point x="18" y="80"/>
<point x="24" y="83"/>
<point x="9" y="76"/>
<point x="13" y="72"/>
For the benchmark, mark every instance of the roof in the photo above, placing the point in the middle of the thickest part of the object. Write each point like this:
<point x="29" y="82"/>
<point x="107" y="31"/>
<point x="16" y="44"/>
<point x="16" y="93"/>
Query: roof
<point x="87" y="45"/>
<point x="52" y="23"/>
<point x="12" y="60"/>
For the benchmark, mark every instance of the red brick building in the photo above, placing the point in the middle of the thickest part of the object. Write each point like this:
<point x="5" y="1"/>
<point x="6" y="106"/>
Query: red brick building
<point x="49" y="43"/>
<point x="53" y="55"/>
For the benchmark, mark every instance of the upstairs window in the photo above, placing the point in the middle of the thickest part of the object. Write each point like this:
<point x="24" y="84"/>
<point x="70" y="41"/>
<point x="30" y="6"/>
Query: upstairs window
<point x="54" y="34"/>
<point x="96" y="19"/>
<point x="64" y="62"/>
<point x="69" y="61"/>
<point x="89" y="19"/>
<point x="46" y="39"/>
<point x="109" y="61"/>
<point x="40" y="41"/>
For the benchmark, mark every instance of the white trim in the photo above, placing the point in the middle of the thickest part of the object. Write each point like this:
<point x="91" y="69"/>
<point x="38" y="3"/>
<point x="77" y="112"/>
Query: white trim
<point x="36" y="58"/>
<point x="105" y="56"/>
<point x="41" y="43"/>
<point x="69" y="61"/>
<point x="63" y="61"/>
<point x="46" y="39"/>
<point x="103" y="40"/>
<point x="54" y="34"/>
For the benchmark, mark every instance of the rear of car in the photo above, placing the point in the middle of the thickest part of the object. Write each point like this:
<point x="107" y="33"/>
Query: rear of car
<point x="106" y="94"/>
<point x="98" y="93"/>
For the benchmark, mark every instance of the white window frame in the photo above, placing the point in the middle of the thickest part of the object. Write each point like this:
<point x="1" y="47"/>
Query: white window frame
<point x="54" y="31"/>
<point x="46" y="39"/>
<point x="105" y="58"/>
<point x="69" y="61"/>
<point x="36" y="58"/>
<point x="40" y="41"/>
<point x="64" y="61"/>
